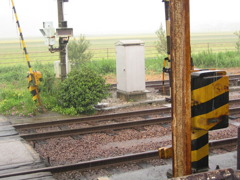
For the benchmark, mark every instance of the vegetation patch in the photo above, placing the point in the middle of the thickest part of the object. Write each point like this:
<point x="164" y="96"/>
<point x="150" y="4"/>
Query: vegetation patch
<point x="82" y="90"/>
<point x="209" y="59"/>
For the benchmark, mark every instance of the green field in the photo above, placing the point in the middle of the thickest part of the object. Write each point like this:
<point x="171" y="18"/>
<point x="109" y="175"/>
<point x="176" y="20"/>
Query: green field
<point x="216" y="50"/>
<point x="103" y="47"/>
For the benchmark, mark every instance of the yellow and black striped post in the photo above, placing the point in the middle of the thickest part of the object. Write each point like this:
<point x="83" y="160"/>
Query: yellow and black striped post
<point x="33" y="83"/>
<point x="210" y="110"/>
<point x="200" y="149"/>
<point x="34" y="76"/>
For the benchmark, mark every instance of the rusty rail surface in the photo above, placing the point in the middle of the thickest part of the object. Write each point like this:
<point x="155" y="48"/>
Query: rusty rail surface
<point x="102" y="128"/>
<point x="115" y="116"/>
<point x="233" y="80"/>
<point x="94" y="129"/>
<point x="99" y="163"/>
<point x="94" y="118"/>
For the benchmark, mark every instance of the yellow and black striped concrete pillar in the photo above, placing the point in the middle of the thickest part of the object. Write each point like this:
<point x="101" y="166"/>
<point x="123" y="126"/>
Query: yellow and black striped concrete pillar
<point x="210" y="97"/>
<point x="210" y="110"/>
<point x="200" y="149"/>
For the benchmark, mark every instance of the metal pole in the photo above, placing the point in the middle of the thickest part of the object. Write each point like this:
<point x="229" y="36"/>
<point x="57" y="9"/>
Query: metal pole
<point x="62" y="46"/>
<point x="181" y="86"/>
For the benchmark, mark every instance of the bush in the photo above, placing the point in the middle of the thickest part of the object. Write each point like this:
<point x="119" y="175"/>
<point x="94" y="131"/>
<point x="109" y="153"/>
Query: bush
<point x="82" y="90"/>
<point x="161" y="43"/>
<point x="78" y="53"/>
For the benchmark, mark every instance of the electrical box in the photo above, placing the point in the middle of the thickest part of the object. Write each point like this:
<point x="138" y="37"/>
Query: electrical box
<point x="210" y="97"/>
<point x="130" y="64"/>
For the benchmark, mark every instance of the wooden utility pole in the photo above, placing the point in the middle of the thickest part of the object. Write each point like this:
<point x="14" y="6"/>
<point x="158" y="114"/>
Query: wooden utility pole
<point x="62" y="46"/>
<point x="181" y="86"/>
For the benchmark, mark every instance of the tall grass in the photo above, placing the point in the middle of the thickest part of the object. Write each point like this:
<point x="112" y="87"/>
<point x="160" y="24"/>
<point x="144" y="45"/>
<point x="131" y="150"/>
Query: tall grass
<point x="154" y="64"/>
<point x="209" y="59"/>
<point x="104" y="66"/>
<point x="16" y="100"/>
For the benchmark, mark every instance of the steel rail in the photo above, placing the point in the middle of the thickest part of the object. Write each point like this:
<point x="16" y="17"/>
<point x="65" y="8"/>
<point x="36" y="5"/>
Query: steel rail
<point x="101" y="117"/>
<point x="159" y="83"/>
<point x="222" y="142"/>
<point x="94" y="129"/>
<point x="94" y="118"/>
<point x="102" y="128"/>
<point x="100" y="163"/>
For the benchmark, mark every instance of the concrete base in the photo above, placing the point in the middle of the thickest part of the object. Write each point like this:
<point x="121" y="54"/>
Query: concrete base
<point x="17" y="155"/>
<point x="228" y="160"/>
<point x="132" y="96"/>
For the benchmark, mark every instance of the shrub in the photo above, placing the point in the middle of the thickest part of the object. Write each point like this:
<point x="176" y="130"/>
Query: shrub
<point x="82" y="90"/>
<point x="161" y="44"/>
<point x="78" y="53"/>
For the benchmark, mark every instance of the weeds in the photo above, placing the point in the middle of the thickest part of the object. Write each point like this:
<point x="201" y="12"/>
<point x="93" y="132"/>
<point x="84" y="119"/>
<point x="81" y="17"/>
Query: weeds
<point x="154" y="64"/>
<point x="208" y="59"/>
<point x="16" y="102"/>
<point x="15" y="99"/>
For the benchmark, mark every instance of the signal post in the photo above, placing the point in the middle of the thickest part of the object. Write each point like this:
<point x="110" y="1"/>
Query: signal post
<point x="62" y="43"/>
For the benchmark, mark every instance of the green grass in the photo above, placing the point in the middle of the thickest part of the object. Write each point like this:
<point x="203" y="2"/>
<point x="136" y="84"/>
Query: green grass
<point x="103" y="47"/>
<point x="208" y="51"/>
<point x="16" y="100"/>
<point x="209" y="59"/>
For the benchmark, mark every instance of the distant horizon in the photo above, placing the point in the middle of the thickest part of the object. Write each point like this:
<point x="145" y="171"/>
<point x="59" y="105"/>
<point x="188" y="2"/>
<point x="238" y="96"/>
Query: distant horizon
<point x="94" y="17"/>
<point x="115" y="34"/>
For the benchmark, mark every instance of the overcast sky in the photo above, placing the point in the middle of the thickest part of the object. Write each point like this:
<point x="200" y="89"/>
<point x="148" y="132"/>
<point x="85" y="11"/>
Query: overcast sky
<point x="101" y="17"/>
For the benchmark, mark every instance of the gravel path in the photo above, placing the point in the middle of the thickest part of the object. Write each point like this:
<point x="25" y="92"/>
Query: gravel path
<point x="68" y="150"/>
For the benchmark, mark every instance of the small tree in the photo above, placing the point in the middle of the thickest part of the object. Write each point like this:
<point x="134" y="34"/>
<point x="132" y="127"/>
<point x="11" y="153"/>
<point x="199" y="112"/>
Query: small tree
<point x="237" y="33"/>
<point x="78" y="53"/>
<point x="161" y="44"/>
<point x="82" y="90"/>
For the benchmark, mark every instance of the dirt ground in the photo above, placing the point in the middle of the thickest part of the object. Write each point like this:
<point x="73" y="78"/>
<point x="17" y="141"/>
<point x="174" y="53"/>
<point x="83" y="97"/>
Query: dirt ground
<point x="111" y="79"/>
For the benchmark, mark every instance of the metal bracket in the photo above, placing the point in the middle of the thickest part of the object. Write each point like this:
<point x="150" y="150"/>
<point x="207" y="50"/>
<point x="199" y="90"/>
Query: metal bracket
<point x="165" y="152"/>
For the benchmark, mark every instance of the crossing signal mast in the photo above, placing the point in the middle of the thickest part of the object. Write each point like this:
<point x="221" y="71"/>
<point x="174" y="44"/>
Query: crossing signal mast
<point x="63" y="32"/>
<point x="34" y="77"/>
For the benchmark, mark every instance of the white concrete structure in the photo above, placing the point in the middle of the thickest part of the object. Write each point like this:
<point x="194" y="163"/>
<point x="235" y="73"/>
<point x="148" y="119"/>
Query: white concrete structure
<point x="130" y="65"/>
<point x="57" y="68"/>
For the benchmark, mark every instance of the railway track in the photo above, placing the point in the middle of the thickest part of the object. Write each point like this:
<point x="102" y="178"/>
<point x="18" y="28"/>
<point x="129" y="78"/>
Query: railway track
<point x="100" y="163"/>
<point x="233" y="80"/>
<point x="107" y="117"/>
<point x="102" y="128"/>
<point x="94" y="118"/>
